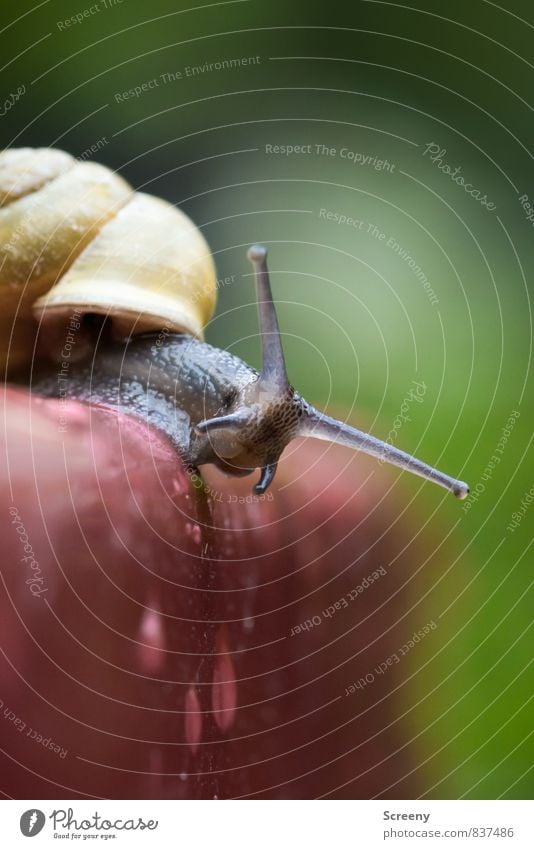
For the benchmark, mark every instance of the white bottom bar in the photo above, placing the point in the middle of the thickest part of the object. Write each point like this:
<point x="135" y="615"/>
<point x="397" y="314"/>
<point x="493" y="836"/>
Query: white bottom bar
<point x="264" y="825"/>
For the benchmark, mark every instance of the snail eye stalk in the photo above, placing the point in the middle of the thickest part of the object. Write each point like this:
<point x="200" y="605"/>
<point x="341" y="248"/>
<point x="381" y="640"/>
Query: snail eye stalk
<point x="273" y="371"/>
<point x="320" y="426"/>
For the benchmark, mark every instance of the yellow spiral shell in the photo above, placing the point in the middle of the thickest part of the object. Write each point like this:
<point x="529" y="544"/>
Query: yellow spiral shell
<point x="74" y="236"/>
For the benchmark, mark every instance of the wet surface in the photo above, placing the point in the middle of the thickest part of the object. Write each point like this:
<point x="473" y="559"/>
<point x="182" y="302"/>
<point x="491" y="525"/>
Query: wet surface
<point x="157" y="646"/>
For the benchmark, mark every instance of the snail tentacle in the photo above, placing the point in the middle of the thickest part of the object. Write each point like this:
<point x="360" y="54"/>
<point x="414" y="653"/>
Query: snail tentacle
<point x="268" y="414"/>
<point x="273" y="372"/>
<point x="321" y="426"/>
<point x="233" y="420"/>
<point x="266" y="478"/>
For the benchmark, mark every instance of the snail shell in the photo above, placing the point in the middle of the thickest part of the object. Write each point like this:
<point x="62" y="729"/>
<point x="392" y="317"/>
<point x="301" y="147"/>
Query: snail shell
<point x="75" y="236"/>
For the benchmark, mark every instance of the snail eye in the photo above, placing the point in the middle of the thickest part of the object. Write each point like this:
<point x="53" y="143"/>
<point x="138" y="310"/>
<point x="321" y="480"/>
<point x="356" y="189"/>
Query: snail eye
<point x="229" y="399"/>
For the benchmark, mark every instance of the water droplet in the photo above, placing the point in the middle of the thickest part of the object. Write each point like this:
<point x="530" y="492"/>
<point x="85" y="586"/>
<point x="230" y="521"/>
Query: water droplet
<point x="193" y="719"/>
<point x="177" y="486"/>
<point x="151" y="636"/>
<point x="224" y="689"/>
<point x="248" y="624"/>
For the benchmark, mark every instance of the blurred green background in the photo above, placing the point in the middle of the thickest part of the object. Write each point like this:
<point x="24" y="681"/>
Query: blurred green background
<point x="362" y="319"/>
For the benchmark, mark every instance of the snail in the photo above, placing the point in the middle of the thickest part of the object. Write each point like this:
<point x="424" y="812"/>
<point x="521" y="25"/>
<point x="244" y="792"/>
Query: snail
<point x="78" y="242"/>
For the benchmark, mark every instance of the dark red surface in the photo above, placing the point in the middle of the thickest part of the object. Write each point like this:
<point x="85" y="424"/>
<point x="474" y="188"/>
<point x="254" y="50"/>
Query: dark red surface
<point x="155" y="648"/>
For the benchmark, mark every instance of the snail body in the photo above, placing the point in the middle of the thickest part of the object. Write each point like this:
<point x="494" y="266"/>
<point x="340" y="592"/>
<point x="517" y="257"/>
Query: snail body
<point x="86" y="244"/>
<point x="170" y="381"/>
<point x="176" y="383"/>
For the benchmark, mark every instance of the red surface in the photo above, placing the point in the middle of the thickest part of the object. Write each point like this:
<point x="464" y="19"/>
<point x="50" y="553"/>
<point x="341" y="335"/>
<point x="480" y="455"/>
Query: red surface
<point x="152" y="644"/>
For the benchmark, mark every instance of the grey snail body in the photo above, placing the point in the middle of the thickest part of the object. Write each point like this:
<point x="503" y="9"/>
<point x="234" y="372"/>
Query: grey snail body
<point x="168" y="380"/>
<point x="142" y="265"/>
<point x="175" y="383"/>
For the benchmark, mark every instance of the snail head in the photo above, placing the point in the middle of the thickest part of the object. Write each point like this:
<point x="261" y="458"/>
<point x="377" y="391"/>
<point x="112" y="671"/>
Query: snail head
<point x="268" y="413"/>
